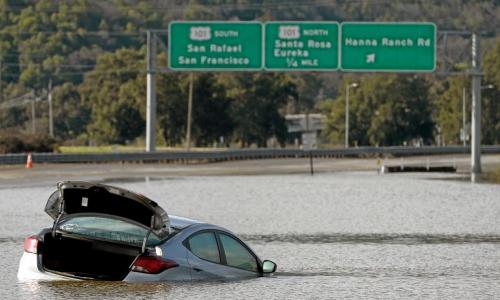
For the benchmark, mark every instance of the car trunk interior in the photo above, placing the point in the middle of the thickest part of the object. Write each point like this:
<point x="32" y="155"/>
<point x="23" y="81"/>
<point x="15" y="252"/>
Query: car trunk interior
<point x="82" y="257"/>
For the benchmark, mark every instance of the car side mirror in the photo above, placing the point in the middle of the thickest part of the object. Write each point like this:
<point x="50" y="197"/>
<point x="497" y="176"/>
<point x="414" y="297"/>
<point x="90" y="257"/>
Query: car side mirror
<point x="268" y="266"/>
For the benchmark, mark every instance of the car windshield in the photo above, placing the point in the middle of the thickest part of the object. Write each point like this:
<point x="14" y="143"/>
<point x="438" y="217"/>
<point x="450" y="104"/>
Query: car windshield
<point x="108" y="229"/>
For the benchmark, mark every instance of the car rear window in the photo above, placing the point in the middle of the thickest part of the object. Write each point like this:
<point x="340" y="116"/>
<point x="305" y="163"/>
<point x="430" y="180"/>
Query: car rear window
<point x="108" y="229"/>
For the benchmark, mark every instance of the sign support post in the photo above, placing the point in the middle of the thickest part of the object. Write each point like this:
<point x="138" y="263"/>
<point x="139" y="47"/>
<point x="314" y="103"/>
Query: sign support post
<point x="151" y="93"/>
<point x="476" y="110"/>
<point x="347" y="116"/>
<point x="190" y="112"/>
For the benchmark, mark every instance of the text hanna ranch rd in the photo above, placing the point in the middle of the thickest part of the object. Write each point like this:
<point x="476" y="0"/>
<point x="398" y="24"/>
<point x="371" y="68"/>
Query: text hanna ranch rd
<point x="388" y="42"/>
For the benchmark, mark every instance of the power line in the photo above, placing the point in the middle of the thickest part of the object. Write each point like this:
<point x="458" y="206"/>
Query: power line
<point x="109" y="71"/>
<point x="89" y="33"/>
<point x="21" y="100"/>
<point x="48" y="65"/>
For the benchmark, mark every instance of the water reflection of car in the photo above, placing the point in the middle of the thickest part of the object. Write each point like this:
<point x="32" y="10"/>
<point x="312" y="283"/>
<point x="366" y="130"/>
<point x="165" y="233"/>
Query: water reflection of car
<point x="108" y="233"/>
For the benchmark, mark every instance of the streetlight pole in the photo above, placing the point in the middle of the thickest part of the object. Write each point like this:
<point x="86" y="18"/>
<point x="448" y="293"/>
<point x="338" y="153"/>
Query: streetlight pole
<point x="352" y="85"/>
<point x="464" y="131"/>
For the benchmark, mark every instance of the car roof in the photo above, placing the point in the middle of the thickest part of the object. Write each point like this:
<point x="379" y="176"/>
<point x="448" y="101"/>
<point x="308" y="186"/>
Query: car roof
<point x="178" y="222"/>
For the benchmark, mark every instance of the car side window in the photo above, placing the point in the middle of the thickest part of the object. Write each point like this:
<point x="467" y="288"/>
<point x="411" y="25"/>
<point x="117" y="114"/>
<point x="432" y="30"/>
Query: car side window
<point x="237" y="255"/>
<point x="204" y="245"/>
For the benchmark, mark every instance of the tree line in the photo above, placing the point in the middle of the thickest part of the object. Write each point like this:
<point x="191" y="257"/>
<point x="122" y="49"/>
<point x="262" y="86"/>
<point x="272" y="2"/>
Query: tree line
<point x="93" y="53"/>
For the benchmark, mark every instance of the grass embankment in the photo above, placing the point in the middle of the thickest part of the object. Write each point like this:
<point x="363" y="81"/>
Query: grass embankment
<point x="493" y="176"/>
<point x="99" y="149"/>
<point x="118" y="148"/>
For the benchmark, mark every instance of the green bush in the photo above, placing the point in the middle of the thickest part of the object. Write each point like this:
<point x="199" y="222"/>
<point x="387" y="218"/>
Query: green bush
<point x="18" y="142"/>
<point x="493" y="176"/>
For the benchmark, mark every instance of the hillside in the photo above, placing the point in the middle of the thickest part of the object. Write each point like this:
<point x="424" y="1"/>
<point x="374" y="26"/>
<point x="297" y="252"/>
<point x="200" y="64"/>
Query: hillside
<point x="93" y="54"/>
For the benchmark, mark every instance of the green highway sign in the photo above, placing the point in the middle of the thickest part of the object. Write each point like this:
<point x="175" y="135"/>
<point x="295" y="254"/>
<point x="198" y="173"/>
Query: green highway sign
<point x="388" y="47"/>
<point x="301" y="46"/>
<point x="215" y="46"/>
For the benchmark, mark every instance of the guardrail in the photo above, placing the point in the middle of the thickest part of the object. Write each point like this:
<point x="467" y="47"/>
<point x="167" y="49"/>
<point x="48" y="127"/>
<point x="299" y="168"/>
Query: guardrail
<point x="240" y="154"/>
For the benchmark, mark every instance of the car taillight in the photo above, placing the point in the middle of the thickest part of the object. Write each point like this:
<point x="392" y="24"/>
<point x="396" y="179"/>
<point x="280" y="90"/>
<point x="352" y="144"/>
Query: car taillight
<point x="31" y="244"/>
<point x="152" y="264"/>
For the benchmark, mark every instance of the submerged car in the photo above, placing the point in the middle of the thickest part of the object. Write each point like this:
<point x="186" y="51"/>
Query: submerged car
<point x="109" y="233"/>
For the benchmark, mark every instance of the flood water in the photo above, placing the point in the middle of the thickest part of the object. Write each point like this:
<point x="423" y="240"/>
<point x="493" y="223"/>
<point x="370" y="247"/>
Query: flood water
<point x="338" y="235"/>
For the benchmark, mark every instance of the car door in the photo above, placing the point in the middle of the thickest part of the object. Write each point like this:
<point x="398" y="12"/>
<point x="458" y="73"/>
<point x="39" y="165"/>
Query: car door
<point x="207" y="258"/>
<point x="238" y="258"/>
<point x="204" y="256"/>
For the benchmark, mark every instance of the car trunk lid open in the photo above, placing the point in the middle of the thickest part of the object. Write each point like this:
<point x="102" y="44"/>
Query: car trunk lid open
<point x="75" y="197"/>
<point x="74" y="248"/>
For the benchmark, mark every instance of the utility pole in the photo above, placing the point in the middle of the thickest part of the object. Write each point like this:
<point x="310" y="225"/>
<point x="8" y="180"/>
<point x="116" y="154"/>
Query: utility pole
<point x="1" y="86"/>
<point x="190" y="112"/>
<point x="51" y="117"/>
<point x="352" y="85"/>
<point x="33" y="114"/>
<point x="476" y="110"/>
<point x="151" y="93"/>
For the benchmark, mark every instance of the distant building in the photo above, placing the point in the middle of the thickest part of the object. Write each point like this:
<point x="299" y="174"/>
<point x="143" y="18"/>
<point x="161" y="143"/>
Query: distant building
<point x="303" y="131"/>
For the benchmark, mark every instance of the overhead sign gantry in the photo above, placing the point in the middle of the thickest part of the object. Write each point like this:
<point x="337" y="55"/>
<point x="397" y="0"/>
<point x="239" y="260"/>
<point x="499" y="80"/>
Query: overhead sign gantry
<point x="303" y="46"/>
<point x="307" y="46"/>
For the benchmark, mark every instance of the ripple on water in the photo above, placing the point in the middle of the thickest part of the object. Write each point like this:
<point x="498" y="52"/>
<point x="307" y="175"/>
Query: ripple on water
<point x="341" y="235"/>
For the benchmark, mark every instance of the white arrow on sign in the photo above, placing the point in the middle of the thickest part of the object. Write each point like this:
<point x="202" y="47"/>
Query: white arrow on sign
<point x="370" y="58"/>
